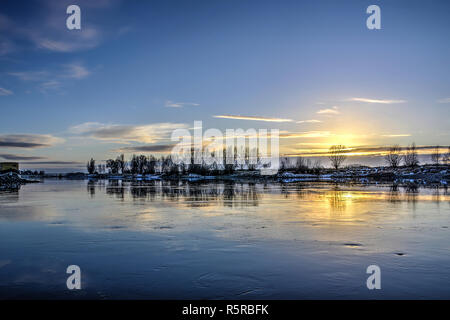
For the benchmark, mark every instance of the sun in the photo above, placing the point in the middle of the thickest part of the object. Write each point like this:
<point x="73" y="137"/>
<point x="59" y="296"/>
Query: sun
<point x="346" y="139"/>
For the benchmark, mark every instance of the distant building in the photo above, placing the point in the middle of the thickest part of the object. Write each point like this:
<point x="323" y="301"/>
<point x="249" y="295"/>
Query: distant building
<point x="9" y="166"/>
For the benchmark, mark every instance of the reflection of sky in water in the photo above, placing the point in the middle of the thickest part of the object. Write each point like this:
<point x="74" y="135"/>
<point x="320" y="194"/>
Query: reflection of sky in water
<point x="215" y="240"/>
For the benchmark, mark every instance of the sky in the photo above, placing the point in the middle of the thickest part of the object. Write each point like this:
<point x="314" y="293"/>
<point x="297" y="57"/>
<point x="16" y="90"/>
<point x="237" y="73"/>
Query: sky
<point x="137" y="70"/>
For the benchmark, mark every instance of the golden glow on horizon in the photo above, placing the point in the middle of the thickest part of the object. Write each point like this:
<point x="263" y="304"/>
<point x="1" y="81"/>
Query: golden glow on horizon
<point x="323" y="152"/>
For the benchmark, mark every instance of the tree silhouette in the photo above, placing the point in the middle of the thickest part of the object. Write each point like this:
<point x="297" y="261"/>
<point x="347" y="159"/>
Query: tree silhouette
<point x="436" y="155"/>
<point x="394" y="156"/>
<point x="337" y="155"/>
<point x="90" y="166"/>
<point x="411" y="158"/>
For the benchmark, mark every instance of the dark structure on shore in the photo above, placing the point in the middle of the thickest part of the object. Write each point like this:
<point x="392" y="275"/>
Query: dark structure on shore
<point x="9" y="166"/>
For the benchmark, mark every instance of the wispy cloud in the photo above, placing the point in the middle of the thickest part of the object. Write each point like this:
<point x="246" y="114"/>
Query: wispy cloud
<point x="309" y="121"/>
<point x="6" y="46"/>
<point x="172" y="104"/>
<point x="381" y="101"/>
<point x="29" y="141"/>
<point x="150" y="133"/>
<point x="5" y="92"/>
<point x="332" y="110"/>
<point x="76" y="71"/>
<point x="30" y="75"/>
<point x="87" y="38"/>
<point x="46" y="30"/>
<point x="445" y="100"/>
<point x="396" y="135"/>
<point x="57" y="163"/>
<point x="148" y="148"/>
<point x="307" y="134"/>
<point x="54" y="45"/>
<point x="124" y="30"/>
<point x="53" y="80"/>
<point x="253" y="118"/>
<point x="50" y="85"/>
<point x="15" y="157"/>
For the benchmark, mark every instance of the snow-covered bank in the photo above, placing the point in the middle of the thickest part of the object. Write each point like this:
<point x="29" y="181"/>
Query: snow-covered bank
<point x="424" y="175"/>
<point x="12" y="181"/>
<point x="418" y="175"/>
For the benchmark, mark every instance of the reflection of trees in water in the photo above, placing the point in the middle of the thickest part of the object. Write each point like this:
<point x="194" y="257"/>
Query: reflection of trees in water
<point x="143" y="191"/>
<point x="248" y="195"/>
<point x="335" y="199"/>
<point x="242" y="194"/>
<point x="286" y="190"/>
<point x="91" y="188"/>
<point x="94" y="186"/>
<point x="436" y="195"/>
<point x="295" y="190"/>
<point x="446" y="193"/>
<point x="394" y="195"/>
<point x="116" y="188"/>
<point x="409" y="194"/>
<point x="228" y="194"/>
<point x="193" y="194"/>
<point x="9" y="195"/>
<point x="412" y="189"/>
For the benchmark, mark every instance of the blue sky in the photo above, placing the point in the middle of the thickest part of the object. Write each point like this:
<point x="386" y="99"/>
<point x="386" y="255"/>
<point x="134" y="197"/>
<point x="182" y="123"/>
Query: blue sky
<point x="139" y="69"/>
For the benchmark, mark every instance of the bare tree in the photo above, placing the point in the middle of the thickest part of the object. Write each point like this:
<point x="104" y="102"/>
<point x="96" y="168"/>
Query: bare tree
<point x="317" y="167"/>
<point x="134" y="164"/>
<point x="411" y="158"/>
<point x="121" y="163"/>
<point x="436" y="155"/>
<point x="142" y="164"/>
<point x="151" y="165"/>
<point x="394" y="156"/>
<point x="167" y="165"/>
<point x="252" y="158"/>
<point x="101" y="168"/>
<point x="229" y="158"/>
<point x="337" y="155"/>
<point x="90" y="166"/>
<point x="113" y="166"/>
<point x="301" y="165"/>
<point x="446" y="158"/>
<point x="284" y="164"/>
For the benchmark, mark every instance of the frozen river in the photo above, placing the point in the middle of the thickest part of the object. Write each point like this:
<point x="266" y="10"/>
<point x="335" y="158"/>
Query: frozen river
<point x="216" y="240"/>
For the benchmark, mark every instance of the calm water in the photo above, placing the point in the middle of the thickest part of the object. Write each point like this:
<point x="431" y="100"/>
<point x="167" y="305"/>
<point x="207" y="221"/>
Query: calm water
<point x="223" y="240"/>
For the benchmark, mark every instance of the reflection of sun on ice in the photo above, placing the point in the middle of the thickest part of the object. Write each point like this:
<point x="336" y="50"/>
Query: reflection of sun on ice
<point x="344" y="203"/>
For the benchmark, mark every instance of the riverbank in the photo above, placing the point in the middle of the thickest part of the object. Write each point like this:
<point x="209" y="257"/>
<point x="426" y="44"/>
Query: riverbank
<point x="13" y="181"/>
<point x="422" y="175"/>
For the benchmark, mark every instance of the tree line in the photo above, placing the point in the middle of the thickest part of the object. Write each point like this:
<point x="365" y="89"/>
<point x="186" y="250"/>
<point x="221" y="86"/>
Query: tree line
<point x="394" y="156"/>
<point x="337" y="154"/>
<point x="142" y="164"/>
